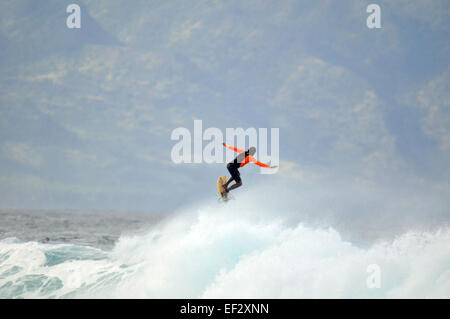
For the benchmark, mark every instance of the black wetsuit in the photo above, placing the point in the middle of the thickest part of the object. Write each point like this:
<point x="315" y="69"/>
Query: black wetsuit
<point x="233" y="167"/>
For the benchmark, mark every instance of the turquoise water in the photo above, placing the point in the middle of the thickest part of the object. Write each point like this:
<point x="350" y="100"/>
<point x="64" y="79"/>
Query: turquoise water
<point x="221" y="252"/>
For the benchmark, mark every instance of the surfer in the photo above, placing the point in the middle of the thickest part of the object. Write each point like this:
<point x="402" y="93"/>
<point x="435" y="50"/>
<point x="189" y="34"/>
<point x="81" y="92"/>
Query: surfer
<point x="243" y="158"/>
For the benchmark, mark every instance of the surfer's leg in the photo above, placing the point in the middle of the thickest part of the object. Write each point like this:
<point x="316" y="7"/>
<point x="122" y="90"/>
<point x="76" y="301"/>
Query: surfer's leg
<point x="236" y="176"/>
<point x="228" y="182"/>
<point x="232" y="171"/>
<point x="234" y="186"/>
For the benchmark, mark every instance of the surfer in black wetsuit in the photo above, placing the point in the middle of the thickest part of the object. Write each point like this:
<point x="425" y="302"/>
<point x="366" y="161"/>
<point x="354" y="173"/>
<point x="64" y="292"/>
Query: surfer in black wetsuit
<point x="241" y="160"/>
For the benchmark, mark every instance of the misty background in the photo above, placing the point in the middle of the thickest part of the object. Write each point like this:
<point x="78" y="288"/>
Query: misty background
<point x="86" y="114"/>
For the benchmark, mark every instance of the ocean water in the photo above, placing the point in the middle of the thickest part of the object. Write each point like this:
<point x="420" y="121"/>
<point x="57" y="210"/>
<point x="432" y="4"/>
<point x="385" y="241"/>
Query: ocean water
<point x="211" y="250"/>
<point x="34" y="244"/>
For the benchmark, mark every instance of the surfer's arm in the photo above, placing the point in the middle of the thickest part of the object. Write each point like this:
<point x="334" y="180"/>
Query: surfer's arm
<point x="261" y="164"/>
<point x="238" y="150"/>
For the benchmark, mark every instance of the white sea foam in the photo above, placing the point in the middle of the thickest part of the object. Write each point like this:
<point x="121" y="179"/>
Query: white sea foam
<point x="232" y="251"/>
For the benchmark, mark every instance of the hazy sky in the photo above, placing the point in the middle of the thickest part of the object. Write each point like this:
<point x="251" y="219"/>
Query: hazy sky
<point x="86" y="115"/>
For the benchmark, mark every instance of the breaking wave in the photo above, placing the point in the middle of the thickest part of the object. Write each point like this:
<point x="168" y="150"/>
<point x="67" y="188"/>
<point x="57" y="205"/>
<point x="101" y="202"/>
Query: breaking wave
<point x="226" y="251"/>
